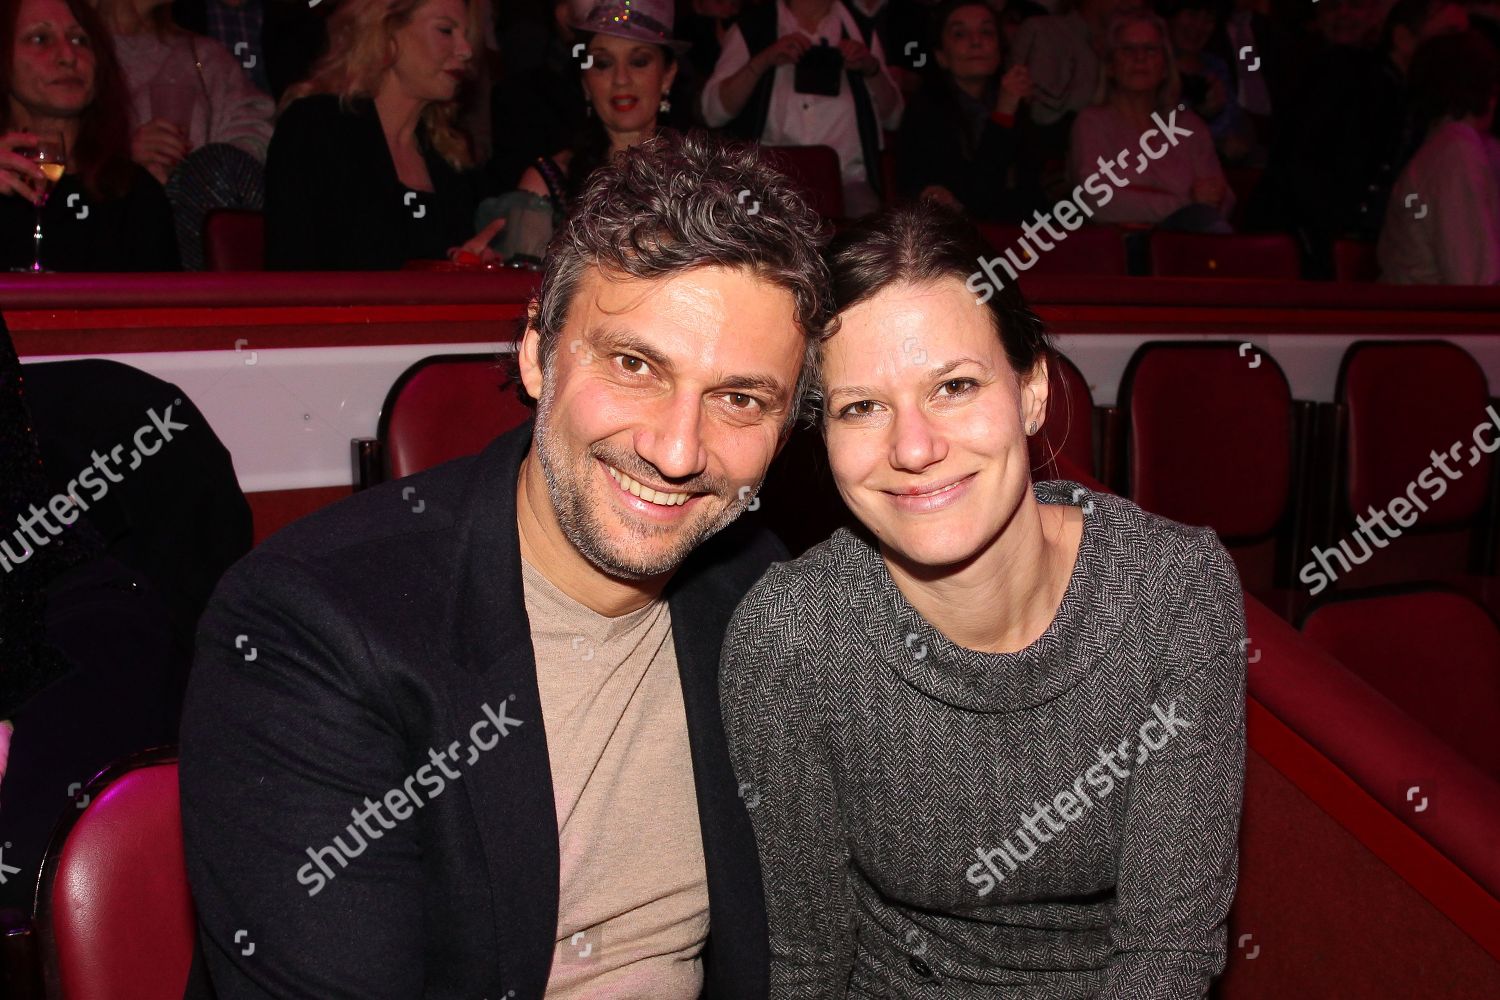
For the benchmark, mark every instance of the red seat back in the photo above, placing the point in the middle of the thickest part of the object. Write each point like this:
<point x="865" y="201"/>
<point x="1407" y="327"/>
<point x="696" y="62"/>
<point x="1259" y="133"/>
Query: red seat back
<point x="234" y="240"/>
<point x="1088" y="250"/>
<point x="1435" y="653"/>
<point x="1209" y="438"/>
<point x="114" y="899"/>
<point x="445" y="407"/>
<point x="1354" y="260"/>
<point x="1205" y="255"/>
<point x="816" y="172"/>
<point x="1069" y="428"/>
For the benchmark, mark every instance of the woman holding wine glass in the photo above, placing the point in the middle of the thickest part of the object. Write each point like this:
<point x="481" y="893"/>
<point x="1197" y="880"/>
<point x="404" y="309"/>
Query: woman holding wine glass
<point x="63" y="112"/>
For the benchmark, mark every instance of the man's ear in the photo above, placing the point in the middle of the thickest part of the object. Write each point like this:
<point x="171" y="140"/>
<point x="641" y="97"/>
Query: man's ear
<point x="528" y="354"/>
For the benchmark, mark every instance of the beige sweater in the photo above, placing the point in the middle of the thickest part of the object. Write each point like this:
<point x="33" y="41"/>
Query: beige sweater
<point x="633" y="898"/>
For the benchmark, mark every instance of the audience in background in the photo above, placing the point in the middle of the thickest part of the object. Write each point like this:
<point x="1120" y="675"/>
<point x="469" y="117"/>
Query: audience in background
<point x="1183" y="188"/>
<point x="62" y="80"/>
<point x="1342" y="143"/>
<point x="186" y="91"/>
<point x="368" y="168"/>
<point x="238" y="25"/>
<point x="796" y="73"/>
<point x="537" y="105"/>
<point x="1442" y="226"/>
<point x="629" y="64"/>
<point x="957" y="140"/>
<point x="1208" y="86"/>
<point x="1062" y="53"/>
<point x="703" y="25"/>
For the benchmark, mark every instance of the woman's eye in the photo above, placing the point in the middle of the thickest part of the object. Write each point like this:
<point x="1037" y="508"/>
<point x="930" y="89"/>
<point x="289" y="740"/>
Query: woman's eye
<point x="602" y="63"/>
<point x="860" y="409"/>
<point x="958" y="386"/>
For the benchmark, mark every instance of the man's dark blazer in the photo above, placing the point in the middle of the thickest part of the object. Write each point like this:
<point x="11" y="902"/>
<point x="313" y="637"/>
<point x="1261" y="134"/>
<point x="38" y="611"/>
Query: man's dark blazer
<point x="329" y="662"/>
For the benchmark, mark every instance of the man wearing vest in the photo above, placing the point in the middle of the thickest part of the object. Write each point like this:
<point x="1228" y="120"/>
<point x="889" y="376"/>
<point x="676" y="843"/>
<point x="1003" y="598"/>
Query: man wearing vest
<point x="758" y="91"/>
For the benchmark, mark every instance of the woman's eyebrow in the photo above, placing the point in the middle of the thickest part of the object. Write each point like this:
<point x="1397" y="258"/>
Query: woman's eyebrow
<point x="937" y="373"/>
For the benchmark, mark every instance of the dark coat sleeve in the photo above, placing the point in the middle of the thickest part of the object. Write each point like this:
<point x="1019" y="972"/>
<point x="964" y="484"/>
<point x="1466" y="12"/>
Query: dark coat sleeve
<point x="929" y="151"/>
<point x="285" y="728"/>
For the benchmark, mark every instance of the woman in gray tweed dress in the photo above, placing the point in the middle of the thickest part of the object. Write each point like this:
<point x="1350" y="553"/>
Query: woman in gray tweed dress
<point x="992" y="741"/>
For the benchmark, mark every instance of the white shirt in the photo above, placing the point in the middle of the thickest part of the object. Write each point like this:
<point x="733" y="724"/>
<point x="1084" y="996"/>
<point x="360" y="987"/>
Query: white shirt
<point x="1442" y="224"/>
<point x="806" y="119"/>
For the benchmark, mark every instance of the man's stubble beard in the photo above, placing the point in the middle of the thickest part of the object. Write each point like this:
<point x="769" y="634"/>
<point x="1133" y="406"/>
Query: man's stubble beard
<point x="577" y="513"/>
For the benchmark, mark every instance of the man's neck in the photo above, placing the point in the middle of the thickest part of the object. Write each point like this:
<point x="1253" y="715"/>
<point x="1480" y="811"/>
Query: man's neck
<point x="545" y="547"/>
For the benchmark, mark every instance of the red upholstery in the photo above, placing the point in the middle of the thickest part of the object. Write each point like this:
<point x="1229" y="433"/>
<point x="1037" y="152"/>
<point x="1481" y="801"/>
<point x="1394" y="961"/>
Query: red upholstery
<point x="445" y="407"/>
<point x="815" y="169"/>
<point x="1069" y="428"/>
<point x="1090" y="250"/>
<point x="1209" y="441"/>
<point x="1402" y="400"/>
<point x="115" y="894"/>
<point x="1435" y="653"/>
<point x="1354" y="260"/>
<point x="1202" y="255"/>
<point x="234" y="240"/>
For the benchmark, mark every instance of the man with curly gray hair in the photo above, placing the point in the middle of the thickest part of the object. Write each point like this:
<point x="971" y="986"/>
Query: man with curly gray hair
<point x="512" y="691"/>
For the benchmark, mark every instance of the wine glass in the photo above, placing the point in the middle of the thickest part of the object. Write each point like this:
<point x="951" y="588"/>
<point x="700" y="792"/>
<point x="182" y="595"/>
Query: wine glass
<point x="51" y="155"/>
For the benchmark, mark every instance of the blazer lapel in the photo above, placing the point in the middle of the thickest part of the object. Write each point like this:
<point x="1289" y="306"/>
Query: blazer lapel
<point x="510" y="785"/>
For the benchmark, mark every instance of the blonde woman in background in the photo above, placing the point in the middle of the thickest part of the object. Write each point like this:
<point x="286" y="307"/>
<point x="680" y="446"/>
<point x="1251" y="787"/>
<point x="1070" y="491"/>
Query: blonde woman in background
<point x="368" y="167"/>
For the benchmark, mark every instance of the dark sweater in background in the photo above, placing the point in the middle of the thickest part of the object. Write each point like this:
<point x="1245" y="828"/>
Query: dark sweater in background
<point x="883" y="763"/>
<point x="334" y="201"/>
<point x="80" y="232"/>
<point x="948" y="138"/>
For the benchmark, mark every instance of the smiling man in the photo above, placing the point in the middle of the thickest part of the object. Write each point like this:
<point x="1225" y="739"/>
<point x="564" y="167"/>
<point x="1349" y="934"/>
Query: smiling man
<point x="474" y="748"/>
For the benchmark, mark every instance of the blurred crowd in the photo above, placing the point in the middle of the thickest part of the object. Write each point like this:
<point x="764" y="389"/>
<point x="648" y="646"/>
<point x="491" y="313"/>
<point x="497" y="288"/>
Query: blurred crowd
<point x="375" y="133"/>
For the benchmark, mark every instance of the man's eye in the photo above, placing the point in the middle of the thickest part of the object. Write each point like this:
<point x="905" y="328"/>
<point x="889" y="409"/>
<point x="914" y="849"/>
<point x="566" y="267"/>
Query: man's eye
<point x="740" y="401"/>
<point x="632" y="364"/>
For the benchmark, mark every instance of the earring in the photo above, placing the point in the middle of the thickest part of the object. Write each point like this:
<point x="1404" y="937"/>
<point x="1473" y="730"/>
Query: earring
<point x="1031" y="428"/>
<point x="665" y="105"/>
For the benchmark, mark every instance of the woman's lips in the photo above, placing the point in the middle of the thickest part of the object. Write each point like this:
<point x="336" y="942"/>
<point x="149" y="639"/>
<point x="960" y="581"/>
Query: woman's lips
<point x="624" y="102"/>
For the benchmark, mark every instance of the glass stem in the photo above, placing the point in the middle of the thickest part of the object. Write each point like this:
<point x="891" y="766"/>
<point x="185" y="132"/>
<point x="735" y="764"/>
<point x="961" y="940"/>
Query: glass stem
<point x="36" y="253"/>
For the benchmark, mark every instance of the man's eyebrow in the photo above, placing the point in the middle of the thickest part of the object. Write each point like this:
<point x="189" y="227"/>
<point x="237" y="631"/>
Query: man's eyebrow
<point x="626" y="342"/>
<point x="763" y="384"/>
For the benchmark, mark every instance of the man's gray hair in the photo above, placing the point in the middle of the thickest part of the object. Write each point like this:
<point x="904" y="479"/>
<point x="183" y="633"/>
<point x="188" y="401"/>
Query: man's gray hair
<point x="676" y="202"/>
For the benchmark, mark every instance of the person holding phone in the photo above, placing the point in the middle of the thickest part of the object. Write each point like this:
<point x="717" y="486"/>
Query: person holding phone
<point x="798" y="73"/>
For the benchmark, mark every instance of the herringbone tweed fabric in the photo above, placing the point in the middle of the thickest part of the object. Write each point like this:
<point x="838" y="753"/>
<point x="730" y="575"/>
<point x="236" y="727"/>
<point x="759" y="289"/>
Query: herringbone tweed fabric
<point x="879" y="760"/>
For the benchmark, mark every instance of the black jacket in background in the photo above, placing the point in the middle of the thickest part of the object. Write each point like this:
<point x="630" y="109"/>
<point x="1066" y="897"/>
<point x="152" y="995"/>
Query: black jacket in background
<point x="932" y="148"/>
<point x="80" y="233"/>
<point x="334" y="202"/>
<point x="330" y="662"/>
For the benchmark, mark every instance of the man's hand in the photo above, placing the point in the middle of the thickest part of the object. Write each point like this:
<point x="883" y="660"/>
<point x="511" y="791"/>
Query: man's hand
<point x="785" y="51"/>
<point x="859" y="58"/>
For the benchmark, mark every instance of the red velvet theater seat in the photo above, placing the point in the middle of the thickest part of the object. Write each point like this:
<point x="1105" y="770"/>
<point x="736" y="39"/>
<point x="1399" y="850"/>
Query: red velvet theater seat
<point x="441" y="408"/>
<point x="1397" y="402"/>
<point x="1069" y="428"/>
<point x="1202" y="255"/>
<point x="1434" y="653"/>
<point x="113" y="908"/>
<point x="234" y="240"/>
<point x="1088" y="250"/>
<point x="815" y="170"/>
<point x="1209" y="438"/>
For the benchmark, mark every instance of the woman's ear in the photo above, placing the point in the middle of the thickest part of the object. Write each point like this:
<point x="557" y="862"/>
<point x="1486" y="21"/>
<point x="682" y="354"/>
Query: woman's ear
<point x="668" y="76"/>
<point x="1035" y="387"/>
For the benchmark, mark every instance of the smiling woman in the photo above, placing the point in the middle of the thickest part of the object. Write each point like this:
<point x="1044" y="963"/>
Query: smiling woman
<point x="368" y="168"/>
<point x="62" y="82"/>
<point x="905" y="695"/>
